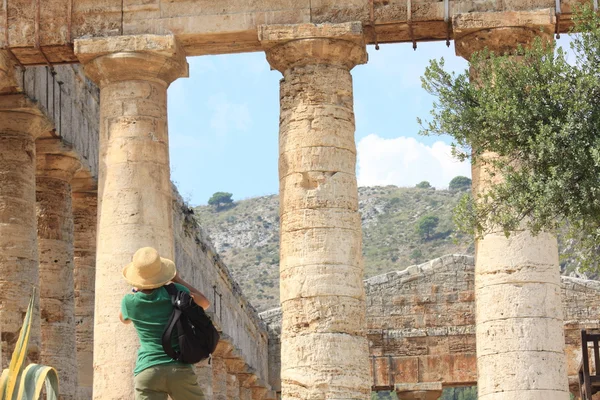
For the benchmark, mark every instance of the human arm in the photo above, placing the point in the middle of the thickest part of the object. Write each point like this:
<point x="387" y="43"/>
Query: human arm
<point x="198" y="297"/>
<point x="123" y="314"/>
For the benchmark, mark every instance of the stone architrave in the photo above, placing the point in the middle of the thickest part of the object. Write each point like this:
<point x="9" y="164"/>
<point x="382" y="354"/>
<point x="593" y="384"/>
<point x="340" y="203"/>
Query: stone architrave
<point x="85" y="209"/>
<point x="21" y="122"/>
<point x="134" y="187"/>
<point x="56" y="167"/>
<point x="519" y="316"/>
<point x="324" y="351"/>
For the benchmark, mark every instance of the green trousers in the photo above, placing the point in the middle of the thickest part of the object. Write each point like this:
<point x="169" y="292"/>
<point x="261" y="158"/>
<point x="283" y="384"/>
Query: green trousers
<point x="175" y="380"/>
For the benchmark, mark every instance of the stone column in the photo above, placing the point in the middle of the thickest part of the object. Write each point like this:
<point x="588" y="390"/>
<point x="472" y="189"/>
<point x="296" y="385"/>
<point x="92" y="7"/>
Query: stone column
<point x="134" y="187"/>
<point x="324" y="351"/>
<point x="55" y="170"/>
<point x="20" y="123"/>
<point x="233" y="387"/>
<point x="519" y="319"/>
<point x="219" y="381"/>
<point x="85" y="209"/>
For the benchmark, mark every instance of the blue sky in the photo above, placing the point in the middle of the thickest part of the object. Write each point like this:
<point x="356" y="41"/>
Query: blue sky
<point x="223" y="123"/>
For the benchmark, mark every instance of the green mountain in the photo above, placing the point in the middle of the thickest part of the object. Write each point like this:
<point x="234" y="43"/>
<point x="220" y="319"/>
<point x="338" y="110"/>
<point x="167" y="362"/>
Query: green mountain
<point x="246" y="235"/>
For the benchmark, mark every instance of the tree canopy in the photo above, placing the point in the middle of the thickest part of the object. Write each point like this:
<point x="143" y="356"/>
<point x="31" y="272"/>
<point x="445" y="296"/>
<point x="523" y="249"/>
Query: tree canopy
<point x="423" y="185"/>
<point x="460" y="183"/>
<point x="426" y="225"/>
<point x="220" y="199"/>
<point x="539" y="113"/>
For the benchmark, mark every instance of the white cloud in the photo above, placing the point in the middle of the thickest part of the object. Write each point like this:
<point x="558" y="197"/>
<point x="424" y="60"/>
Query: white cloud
<point x="404" y="161"/>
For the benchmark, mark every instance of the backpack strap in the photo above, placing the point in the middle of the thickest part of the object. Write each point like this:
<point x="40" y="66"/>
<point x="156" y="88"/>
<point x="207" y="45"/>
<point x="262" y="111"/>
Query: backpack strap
<point x="173" y="320"/>
<point x="172" y="290"/>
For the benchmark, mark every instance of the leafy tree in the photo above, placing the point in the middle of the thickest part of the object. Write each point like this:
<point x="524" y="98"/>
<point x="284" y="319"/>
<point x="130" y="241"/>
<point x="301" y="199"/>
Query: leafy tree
<point x="416" y="255"/>
<point x="426" y="225"/>
<point x="539" y="114"/>
<point x="423" y="185"/>
<point x="459" y="183"/>
<point x="220" y="200"/>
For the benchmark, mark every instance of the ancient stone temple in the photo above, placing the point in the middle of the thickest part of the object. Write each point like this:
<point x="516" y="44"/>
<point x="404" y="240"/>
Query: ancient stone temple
<point x="85" y="181"/>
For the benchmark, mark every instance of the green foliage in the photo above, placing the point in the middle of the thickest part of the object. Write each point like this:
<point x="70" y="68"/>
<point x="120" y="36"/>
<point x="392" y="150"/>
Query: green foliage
<point x="20" y="382"/>
<point x="534" y="121"/>
<point x="423" y="185"/>
<point x="462" y="393"/>
<point x="389" y="237"/>
<point x="220" y="200"/>
<point x="426" y="225"/>
<point x="460" y="183"/>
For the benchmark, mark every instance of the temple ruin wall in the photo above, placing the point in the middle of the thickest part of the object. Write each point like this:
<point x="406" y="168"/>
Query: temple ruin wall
<point x="421" y="324"/>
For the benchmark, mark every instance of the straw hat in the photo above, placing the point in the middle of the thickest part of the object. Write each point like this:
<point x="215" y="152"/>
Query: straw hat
<point x="148" y="270"/>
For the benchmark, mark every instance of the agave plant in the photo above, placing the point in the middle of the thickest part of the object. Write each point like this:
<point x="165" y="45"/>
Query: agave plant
<point x="20" y="382"/>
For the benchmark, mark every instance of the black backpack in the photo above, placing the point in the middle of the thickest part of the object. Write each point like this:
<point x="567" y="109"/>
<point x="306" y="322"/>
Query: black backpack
<point x="196" y="334"/>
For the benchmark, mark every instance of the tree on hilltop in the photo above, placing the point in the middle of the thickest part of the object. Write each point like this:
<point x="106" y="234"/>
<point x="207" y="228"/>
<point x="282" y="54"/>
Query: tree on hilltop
<point x="459" y="183"/>
<point x="423" y="185"/>
<point x="220" y="200"/>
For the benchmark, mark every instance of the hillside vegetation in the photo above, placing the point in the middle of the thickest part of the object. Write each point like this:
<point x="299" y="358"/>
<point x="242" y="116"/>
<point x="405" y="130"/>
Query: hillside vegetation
<point x="246" y="235"/>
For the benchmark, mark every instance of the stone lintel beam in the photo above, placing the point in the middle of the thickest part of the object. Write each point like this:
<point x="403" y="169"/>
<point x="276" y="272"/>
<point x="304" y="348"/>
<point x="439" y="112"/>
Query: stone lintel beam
<point x="500" y="31"/>
<point x="419" y="391"/>
<point x="123" y="58"/>
<point x="289" y="46"/>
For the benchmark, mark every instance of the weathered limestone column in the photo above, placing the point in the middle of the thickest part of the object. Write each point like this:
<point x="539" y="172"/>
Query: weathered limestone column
<point x="85" y="209"/>
<point x="55" y="170"/>
<point x="219" y="381"/>
<point x="21" y="123"/>
<point x="233" y="387"/>
<point x="519" y="319"/>
<point x="134" y="187"/>
<point x="324" y="351"/>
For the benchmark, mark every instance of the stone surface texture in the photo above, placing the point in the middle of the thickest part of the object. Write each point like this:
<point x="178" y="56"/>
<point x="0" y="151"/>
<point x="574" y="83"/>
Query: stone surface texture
<point x="85" y="208"/>
<point x="20" y="124"/>
<point x="134" y="187"/>
<point x="421" y="325"/>
<point x="208" y="27"/>
<point x="519" y="316"/>
<point x="55" y="170"/>
<point x="323" y="345"/>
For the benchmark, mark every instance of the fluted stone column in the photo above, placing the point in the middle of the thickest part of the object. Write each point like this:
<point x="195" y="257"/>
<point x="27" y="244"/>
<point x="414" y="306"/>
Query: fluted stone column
<point x="324" y="351"/>
<point x="219" y="378"/>
<point x="55" y="170"/>
<point x="233" y="387"/>
<point x="85" y="209"/>
<point x="20" y="124"/>
<point x="245" y="393"/>
<point x="519" y="318"/>
<point x="134" y="187"/>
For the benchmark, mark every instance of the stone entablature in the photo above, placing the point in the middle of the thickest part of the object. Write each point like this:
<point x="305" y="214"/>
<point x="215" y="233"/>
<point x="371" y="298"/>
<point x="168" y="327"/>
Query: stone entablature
<point x="209" y="27"/>
<point x="421" y="323"/>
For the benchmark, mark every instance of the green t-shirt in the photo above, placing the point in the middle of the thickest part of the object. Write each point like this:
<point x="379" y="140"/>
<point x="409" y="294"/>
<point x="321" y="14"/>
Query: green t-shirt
<point x="150" y="314"/>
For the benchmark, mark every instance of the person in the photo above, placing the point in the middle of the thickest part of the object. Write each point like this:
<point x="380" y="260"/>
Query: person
<point x="149" y="308"/>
